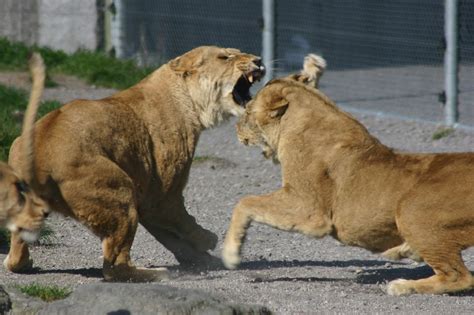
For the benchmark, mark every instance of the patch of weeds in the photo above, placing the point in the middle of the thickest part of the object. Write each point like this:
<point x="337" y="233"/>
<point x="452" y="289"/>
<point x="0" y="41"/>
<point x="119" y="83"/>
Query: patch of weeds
<point x="203" y="158"/>
<point x="12" y="104"/>
<point x="442" y="133"/>
<point x="94" y="67"/>
<point x="47" y="293"/>
<point x="47" y="236"/>
<point x="214" y="161"/>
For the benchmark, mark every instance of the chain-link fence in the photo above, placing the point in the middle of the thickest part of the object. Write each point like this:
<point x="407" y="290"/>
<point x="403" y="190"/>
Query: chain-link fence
<point x="466" y="66"/>
<point x="154" y="31"/>
<point x="383" y="56"/>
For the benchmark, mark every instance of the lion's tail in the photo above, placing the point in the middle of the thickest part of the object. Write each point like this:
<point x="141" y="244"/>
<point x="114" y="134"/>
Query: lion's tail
<point x="37" y="69"/>
<point x="313" y="69"/>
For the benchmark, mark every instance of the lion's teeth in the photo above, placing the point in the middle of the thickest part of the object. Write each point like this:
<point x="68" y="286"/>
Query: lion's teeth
<point x="250" y="78"/>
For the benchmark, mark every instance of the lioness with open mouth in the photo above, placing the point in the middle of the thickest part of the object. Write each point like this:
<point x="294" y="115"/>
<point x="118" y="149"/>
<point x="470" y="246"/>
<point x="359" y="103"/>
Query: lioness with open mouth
<point x="339" y="180"/>
<point x="125" y="159"/>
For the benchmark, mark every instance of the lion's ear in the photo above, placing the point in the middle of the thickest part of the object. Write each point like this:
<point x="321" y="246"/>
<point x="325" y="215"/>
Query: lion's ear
<point x="184" y="66"/>
<point x="179" y="66"/>
<point x="278" y="108"/>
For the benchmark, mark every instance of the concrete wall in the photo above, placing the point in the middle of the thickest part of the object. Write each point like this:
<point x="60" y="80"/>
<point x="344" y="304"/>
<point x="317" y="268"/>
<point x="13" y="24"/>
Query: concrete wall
<point x="60" y="24"/>
<point x="19" y="20"/>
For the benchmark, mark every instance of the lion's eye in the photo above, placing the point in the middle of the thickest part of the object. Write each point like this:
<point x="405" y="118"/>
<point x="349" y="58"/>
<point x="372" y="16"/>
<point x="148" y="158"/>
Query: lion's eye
<point x="22" y="188"/>
<point x="21" y="193"/>
<point x="223" y="57"/>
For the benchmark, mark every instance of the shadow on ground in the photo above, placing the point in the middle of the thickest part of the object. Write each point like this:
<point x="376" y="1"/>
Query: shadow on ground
<point x="266" y="264"/>
<point x="373" y="276"/>
<point x="85" y="272"/>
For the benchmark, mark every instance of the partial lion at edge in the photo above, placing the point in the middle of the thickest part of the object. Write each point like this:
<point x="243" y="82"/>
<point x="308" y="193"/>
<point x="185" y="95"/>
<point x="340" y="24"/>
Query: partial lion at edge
<point x="22" y="211"/>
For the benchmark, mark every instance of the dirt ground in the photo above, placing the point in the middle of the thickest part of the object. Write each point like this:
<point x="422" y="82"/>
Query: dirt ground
<point x="289" y="273"/>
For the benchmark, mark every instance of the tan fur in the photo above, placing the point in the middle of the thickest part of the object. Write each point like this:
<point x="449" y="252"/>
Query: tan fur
<point x="339" y="180"/>
<point x="21" y="210"/>
<point x="125" y="159"/>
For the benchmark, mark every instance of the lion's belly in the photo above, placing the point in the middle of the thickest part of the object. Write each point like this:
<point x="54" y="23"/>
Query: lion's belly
<point x="372" y="229"/>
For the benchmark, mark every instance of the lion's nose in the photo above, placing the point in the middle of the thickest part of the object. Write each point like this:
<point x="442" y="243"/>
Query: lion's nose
<point x="260" y="71"/>
<point x="258" y="62"/>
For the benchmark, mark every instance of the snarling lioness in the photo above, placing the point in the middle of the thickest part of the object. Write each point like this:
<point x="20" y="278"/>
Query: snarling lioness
<point x="125" y="159"/>
<point x="339" y="180"/>
<point x="21" y="210"/>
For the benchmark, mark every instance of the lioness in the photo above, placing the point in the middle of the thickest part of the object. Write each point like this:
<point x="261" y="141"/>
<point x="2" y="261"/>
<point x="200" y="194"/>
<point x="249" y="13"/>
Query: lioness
<point x="21" y="210"/>
<point x="339" y="180"/>
<point x="125" y="159"/>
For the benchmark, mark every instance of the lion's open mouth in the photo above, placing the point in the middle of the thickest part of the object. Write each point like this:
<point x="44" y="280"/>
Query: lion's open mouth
<point x="241" y="91"/>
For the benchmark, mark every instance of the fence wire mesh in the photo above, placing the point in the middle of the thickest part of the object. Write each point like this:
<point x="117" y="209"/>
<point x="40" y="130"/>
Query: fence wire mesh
<point x="466" y="65"/>
<point x="383" y="56"/>
<point x="155" y="31"/>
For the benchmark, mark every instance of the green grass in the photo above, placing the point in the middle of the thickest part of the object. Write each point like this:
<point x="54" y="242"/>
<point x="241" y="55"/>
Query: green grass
<point x="14" y="100"/>
<point x="47" y="293"/>
<point x="203" y="158"/>
<point x="442" y="133"/>
<point x="47" y="236"/>
<point x="94" y="67"/>
<point x="101" y="70"/>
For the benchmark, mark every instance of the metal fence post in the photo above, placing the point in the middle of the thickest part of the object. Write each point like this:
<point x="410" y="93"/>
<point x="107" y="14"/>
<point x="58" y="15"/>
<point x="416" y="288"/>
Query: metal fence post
<point x="108" y="16"/>
<point x="117" y="29"/>
<point x="268" y="36"/>
<point x="451" y="61"/>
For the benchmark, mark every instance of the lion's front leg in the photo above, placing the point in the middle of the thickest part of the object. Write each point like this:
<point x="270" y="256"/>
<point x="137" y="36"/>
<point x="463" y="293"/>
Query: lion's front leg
<point x="18" y="258"/>
<point x="283" y="210"/>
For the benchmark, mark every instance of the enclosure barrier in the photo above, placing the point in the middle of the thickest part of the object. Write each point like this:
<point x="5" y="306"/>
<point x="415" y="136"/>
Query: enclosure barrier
<point x="410" y="59"/>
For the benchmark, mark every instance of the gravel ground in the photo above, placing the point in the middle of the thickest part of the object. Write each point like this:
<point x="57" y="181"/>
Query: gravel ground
<point x="289" y="273"/>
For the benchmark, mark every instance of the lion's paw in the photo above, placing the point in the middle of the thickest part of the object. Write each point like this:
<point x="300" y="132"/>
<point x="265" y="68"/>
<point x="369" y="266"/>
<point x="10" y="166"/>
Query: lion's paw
<point x="230" y="258"/>
<point x="392" y="254"/>
<point x="20" y="266"/>
<point x="400" y="287"/>
<point x="204" y="241"/>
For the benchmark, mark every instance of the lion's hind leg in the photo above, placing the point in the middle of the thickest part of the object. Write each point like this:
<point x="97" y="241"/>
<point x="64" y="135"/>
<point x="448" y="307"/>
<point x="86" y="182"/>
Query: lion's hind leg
<point x="439" y="241"/>
<point x="451" y="275"/>
<point x="184" y="225"/>
<point x="178" y="231"/>
<point x="101" y="196"/>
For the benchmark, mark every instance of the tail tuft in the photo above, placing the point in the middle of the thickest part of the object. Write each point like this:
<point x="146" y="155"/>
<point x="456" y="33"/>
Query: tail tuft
<point x="313" y="68"/>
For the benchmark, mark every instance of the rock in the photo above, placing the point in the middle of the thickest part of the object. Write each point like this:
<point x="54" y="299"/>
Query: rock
<point x="5" y="303"/>
<point x="128" y="298"/>
<point x="13" y="302"/>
